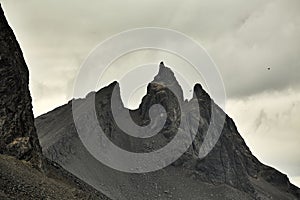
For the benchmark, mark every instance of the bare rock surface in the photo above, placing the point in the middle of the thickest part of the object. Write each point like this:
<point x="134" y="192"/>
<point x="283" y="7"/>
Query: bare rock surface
<point x="18" y="136"/>
<point x="24" y="172"/>
<point x="229" y="171"/>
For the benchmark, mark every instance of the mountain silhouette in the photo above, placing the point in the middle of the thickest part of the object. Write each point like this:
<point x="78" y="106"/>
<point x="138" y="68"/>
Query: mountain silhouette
<point x="229" y="171"/>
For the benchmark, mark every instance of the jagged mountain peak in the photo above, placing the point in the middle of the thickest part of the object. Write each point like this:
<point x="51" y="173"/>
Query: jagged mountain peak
<point x="200" y="93"/>
<point x="229" y="163"/>
<point x="166" y="78"/>
<point x="165" y="75"/>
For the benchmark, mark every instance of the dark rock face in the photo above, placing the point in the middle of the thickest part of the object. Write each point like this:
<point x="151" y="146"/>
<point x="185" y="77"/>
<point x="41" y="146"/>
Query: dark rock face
<point x="230" y="162"/>
<point x="166" y="91"/>
<point x="18" y="136"/>
<point x="39" y="178"/>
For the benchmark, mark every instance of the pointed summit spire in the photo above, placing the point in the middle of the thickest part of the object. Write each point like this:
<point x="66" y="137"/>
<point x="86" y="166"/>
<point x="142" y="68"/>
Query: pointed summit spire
<point x="167" y="78"/>
<point x="162" y="68"/>
<point x="161" y="64"/>
<point x="165" y="75"/>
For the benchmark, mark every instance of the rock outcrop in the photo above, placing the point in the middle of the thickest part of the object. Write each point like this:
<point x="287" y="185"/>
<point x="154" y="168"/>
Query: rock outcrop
<point x="18" y="135"/>
<point x="24" y="172"/>
<point x="230" y="164"/>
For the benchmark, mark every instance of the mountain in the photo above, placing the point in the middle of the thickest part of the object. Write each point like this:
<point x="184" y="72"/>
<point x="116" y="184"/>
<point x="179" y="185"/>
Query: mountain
<point x="229" y="171"/>
<point x="24" y="172"/>
<point x="17" y="132"/>
<point x="51" y="162"/>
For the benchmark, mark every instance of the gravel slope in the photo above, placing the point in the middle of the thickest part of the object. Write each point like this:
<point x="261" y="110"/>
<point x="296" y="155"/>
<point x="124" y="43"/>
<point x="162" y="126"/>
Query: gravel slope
<point x="19" y="180"/>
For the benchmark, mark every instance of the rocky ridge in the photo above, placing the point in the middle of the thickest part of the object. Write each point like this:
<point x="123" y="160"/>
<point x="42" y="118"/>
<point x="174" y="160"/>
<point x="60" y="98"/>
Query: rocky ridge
<point x="230" y="163"/>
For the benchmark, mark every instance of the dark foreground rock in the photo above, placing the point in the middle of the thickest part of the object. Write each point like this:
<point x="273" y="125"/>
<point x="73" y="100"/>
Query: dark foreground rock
<point x="17" y="132"/>
<point x="229" y="171"/>
<point x="24" y="172"/>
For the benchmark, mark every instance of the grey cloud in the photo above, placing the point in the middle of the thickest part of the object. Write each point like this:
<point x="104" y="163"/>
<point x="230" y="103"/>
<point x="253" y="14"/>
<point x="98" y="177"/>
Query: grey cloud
<point x="268" y="38"/>
<point x="269" y="122"/>
<point x="259" y="120"/>
<point x="243" y="37"/>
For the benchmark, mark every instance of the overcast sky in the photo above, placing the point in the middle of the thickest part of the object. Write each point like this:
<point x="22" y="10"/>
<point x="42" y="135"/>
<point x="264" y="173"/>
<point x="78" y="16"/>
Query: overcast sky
<point x="243" y="37"/>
